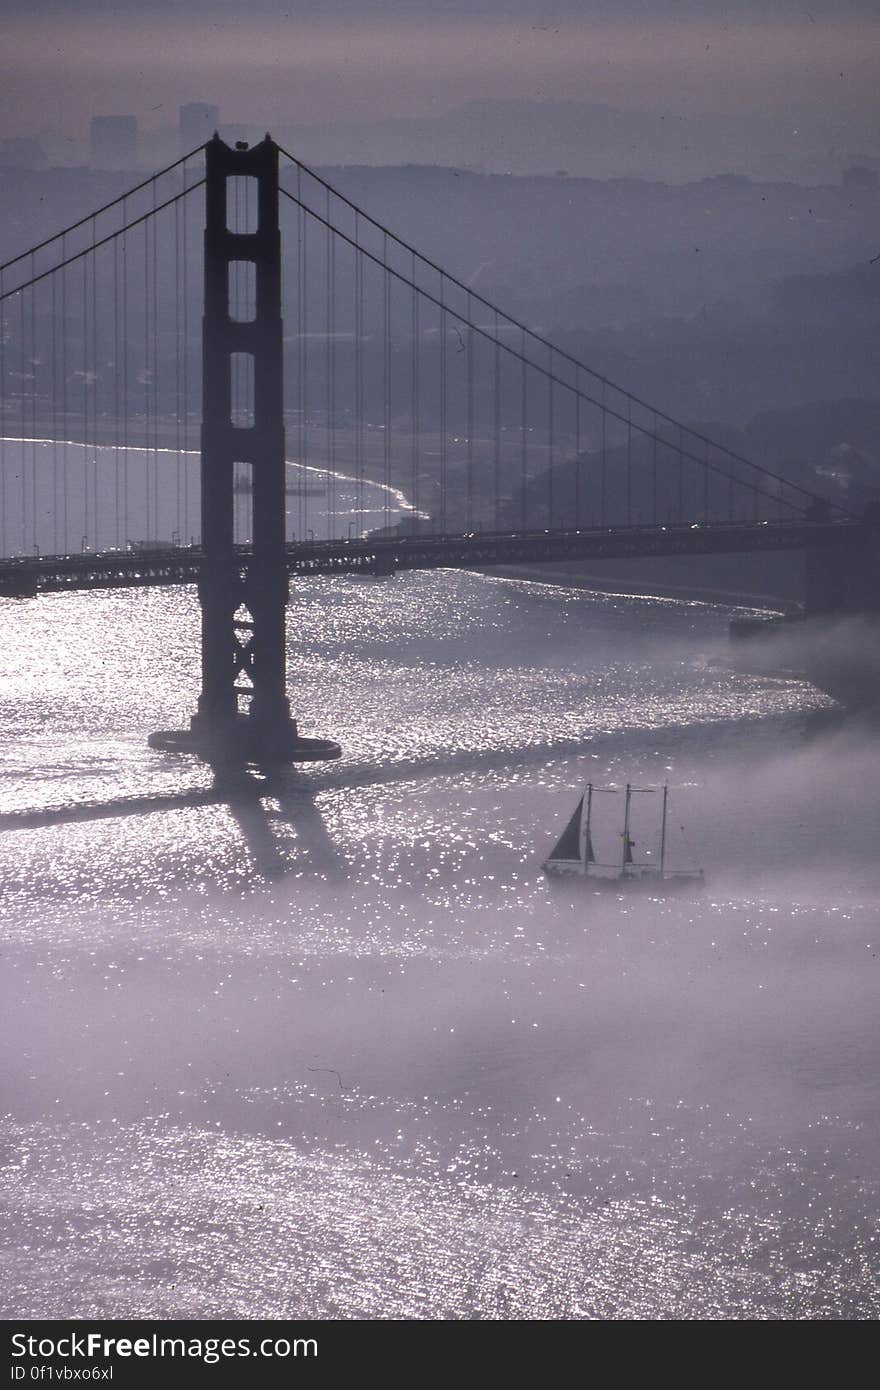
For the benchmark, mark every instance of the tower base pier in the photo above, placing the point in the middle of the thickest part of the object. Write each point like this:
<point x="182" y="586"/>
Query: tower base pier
<point x="242" y="742"/>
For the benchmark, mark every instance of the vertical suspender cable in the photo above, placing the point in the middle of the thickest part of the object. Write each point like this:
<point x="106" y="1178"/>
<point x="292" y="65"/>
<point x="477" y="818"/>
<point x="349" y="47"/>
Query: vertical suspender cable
<point x="2" y="416"/>
<point x="93" y="259"/>
<point x="578" y="463"/>
<point x="706" y="485"/>
<point x="359" y="373"/>
<point x="414" y="386"/>
<point x="22" y="520"/>
<point x="470" y="415"/>
<point x="125" y="396"/>
<point x="117" y="376"/>
<point x="55" y="501"/>
<point x="654" y="517"/>
<point x="155" y="369"/>
<point x="305" y="374"/>
<point x="629" y="460"/>
<point x="185" y="534"/>
<point x="33" y="378"/>
<point x="444" y="436"/>
<point x="328" y="361"/>
<point x="550" y="440"/>
<point x="603" y="487"/>
<point x="64" y="427"/>
<point x="300" y="362"/>
<point x="496" y="470"/>
<point x="386" y="385"/>
<point x="331" y="500"/>
<point x="680" y="475"/>
<point x="21" y="426"/>
<point x="177" y="373"/>
<point x="85" y="540"/>
<point x="146" y="378"/>
<point x="22" y="420"/>
<point x="524" y="433"/>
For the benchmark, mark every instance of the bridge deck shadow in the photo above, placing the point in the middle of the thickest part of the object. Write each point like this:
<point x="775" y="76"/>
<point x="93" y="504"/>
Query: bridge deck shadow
<point x="311" y="847"/>
<point x="243" y="792"/>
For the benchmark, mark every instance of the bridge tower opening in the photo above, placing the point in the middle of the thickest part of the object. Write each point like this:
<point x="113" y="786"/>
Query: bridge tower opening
<point x="243" y="710"/>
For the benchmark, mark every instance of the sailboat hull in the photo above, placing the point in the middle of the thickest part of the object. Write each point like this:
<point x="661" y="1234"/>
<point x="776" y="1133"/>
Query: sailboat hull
<point x="561" y="868"/>
<point x="572" y="858"/>
<point x="649" y="883"/>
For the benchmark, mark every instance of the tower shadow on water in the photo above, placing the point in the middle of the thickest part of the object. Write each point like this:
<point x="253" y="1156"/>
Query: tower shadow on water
<point x="277" y="816"/>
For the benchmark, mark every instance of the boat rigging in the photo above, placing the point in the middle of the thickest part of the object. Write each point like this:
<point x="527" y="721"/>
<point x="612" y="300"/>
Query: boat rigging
<point x="573" y="855"/>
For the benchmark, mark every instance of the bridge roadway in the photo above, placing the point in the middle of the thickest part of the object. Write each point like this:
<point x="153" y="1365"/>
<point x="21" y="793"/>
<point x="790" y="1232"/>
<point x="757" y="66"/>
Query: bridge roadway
<point x="26" y="576"/>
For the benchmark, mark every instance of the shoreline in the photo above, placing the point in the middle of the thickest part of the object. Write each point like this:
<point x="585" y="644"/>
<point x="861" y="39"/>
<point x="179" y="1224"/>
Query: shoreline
<point x="686" y="593"/>
<point x="555" y="575"/>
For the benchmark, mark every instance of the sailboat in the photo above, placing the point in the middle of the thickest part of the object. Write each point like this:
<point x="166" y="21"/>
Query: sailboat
<point x="573" y="857"/>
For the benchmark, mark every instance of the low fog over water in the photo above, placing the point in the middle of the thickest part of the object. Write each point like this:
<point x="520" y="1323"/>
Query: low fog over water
<point x="331" y="1045"/>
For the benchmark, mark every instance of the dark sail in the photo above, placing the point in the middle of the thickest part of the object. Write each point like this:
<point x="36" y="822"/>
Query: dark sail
<point x="568" y="846"/>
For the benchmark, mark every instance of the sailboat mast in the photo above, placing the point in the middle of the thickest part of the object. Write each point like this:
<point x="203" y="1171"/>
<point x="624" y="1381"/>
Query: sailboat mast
<point x="626" y="853"/>
<point x="663" y="828"/>
<point x="586" y="838"/>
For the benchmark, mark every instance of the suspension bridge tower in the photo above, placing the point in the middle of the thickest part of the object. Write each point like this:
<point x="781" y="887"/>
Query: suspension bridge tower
<point x="243" y="711"/>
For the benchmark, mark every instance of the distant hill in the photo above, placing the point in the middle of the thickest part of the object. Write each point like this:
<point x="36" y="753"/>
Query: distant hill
<point x="630" y="248"/>
<point x="522" y="136"/>
<point x="799" y="340"/>
<point x="720" y="299"/>
<point x="830" y="447"/>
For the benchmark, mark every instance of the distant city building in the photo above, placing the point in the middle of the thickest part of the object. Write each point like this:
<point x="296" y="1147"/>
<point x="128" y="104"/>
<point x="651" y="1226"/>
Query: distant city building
<point x="198" y="121"/>
<point x="113" y="141"/>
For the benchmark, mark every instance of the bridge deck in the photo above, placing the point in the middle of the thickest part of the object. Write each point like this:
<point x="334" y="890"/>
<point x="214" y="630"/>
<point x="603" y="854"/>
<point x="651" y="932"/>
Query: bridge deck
<point x="28" y="575"/>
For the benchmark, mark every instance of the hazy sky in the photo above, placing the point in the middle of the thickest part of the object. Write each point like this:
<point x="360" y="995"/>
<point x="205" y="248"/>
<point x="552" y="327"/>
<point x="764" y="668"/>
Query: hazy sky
<point x="277" y="60"/>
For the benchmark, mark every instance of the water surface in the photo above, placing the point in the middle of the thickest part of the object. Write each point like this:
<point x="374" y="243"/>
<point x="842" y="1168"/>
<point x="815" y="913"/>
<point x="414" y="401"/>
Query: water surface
<point x="332" y="1046"/>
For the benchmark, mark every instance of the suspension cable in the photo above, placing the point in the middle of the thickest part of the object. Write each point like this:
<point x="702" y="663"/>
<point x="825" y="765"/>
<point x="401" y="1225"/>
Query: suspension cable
<point x="114" y="202"/>
<point x="94" y="246"/>
<point x="521" y="356"/>
<point x="516" y="323"/>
